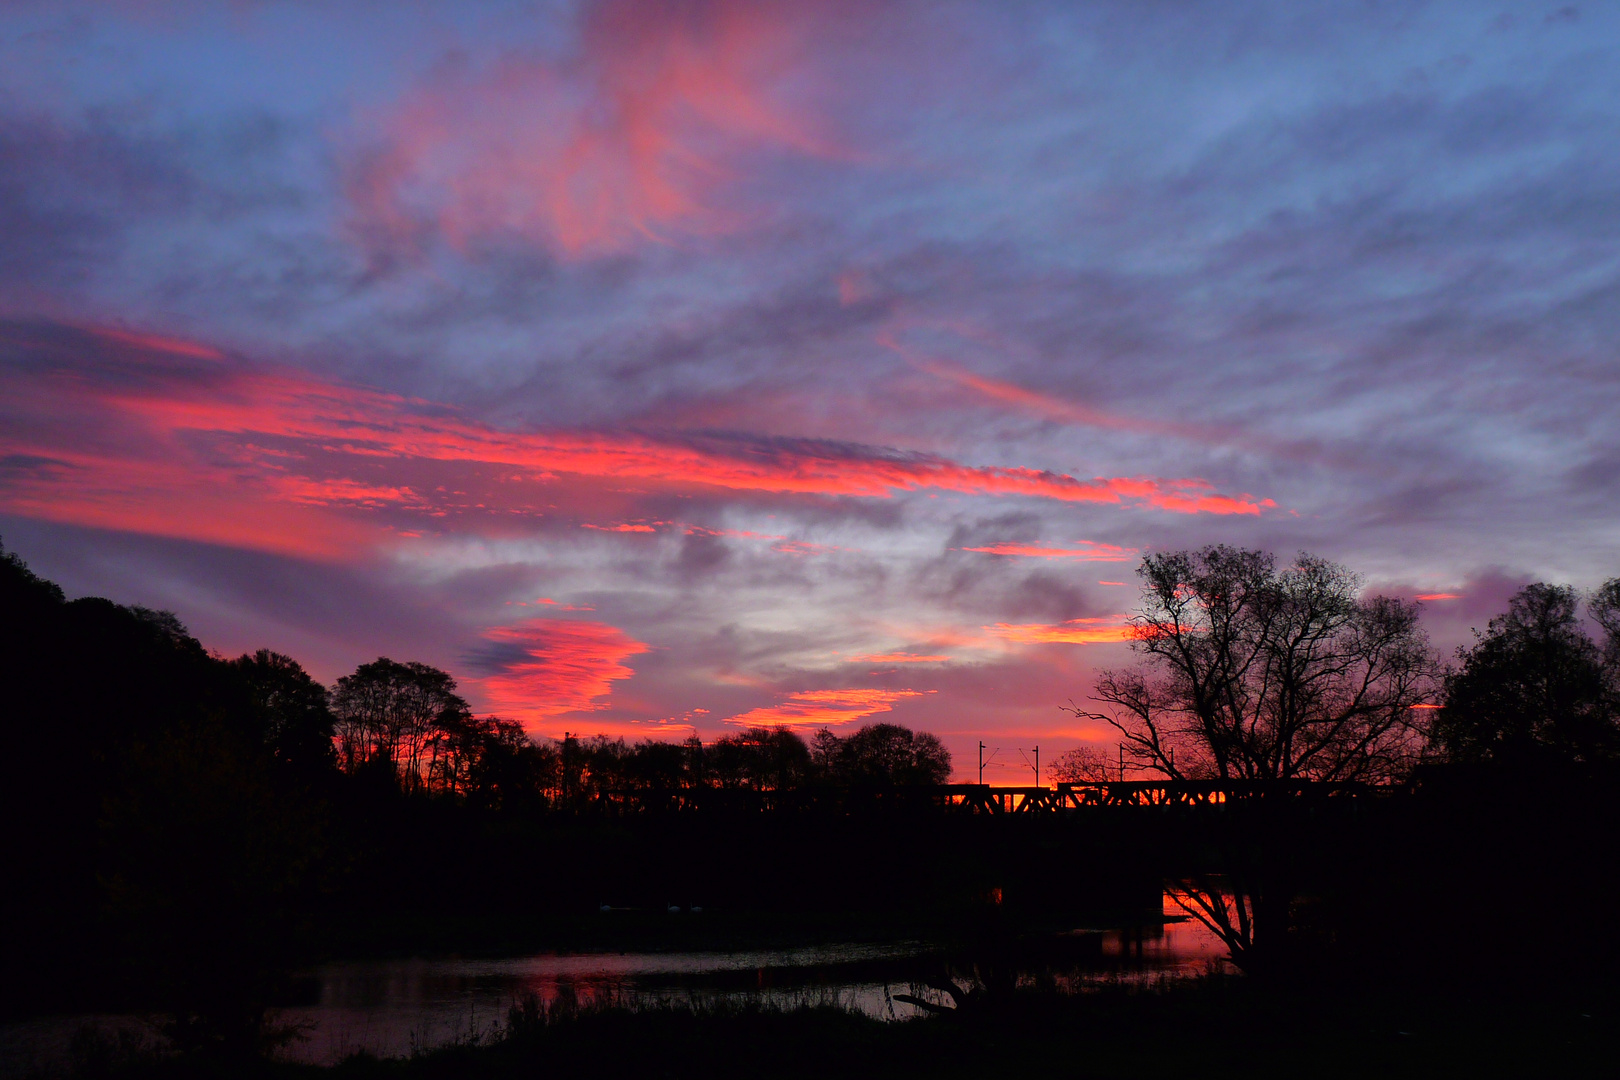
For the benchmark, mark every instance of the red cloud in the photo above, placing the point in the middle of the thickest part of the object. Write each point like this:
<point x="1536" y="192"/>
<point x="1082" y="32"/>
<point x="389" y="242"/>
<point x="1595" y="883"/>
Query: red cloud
<point x="285" y="462"/>
<point x="824" y="708"/>
<point x="562" y="667"/>
<point x="1440" y="596"/>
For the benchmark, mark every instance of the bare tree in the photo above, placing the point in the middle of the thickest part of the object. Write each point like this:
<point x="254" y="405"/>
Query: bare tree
<point x="1249" y="672"/>
<point x="1255" y="673"/>
<point x="1082" y="765"/>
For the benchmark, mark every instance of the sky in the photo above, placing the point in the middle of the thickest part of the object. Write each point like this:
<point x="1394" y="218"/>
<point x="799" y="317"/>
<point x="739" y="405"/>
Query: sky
<point x="668" y="367"/>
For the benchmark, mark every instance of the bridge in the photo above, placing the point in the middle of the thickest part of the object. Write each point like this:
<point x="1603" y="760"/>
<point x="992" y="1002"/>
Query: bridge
<point x="982" y="799"/>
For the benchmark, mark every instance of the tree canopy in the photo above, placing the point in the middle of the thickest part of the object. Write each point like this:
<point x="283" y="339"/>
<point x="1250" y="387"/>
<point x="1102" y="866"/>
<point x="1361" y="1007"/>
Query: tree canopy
<point x="1536" y="686"/>
<point x="1251" y="672"/>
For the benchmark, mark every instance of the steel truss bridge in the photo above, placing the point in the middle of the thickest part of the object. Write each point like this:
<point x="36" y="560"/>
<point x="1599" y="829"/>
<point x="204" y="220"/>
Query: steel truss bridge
<point x="984" y="799"/>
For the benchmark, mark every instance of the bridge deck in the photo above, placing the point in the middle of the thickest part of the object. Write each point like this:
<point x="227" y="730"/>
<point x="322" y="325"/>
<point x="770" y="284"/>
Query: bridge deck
<point x="988" y="799"/>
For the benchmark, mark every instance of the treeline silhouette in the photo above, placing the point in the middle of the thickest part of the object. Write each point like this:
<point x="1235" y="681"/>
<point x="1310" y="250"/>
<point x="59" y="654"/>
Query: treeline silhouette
<point x="181" y="826"/>
<point x="405" y="723"/>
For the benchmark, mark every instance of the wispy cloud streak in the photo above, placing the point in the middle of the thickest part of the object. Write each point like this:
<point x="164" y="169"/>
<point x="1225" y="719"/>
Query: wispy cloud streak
<point x="824" y="708"/>
<point x="178" y="432"/>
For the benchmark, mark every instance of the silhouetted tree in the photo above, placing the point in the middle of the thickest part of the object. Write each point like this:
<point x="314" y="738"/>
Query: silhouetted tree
<point x="149" y="844"/>
<point x="494" y="765"/>
<point x="288" y="711"/>
<point x="399" y="714"/>
<point x="824" y="754"/>
<point x="654" y="764"/>
<point x="1254" y="673"/>
<point x="602" y="764"/>
<point x="693" y="763"/>
<point x="1083" y="765"/>
<point x="760" y="759"/>
<point x="1605" y="608"/>
<point x="884" y="755"/>
<point x="1534" y="686"/>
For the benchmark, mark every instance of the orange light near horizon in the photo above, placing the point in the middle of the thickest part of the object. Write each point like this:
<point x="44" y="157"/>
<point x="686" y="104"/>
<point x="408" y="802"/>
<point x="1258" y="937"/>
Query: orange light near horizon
<point x="897" y="658"/>
<point x="1074" y="632"/>
<point x="1092" y="552"/>
<point x="1439" y="596"/>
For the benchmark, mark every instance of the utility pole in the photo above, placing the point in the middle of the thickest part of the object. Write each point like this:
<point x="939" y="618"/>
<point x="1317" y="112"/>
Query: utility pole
<point x="981" y="762"/>
<point x="1037" y="766"/>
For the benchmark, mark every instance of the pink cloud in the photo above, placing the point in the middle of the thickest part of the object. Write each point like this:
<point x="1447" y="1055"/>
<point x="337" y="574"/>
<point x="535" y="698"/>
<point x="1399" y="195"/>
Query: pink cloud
<point x="560" y="667"/>
<point x="159" y="343"/>
<point x="824" y="708"/>
<point x="280" y="461"/>
<point x="633" y="139"/>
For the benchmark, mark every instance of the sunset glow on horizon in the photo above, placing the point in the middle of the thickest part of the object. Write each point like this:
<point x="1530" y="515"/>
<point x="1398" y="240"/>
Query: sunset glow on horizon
<point x="665" y="369"/>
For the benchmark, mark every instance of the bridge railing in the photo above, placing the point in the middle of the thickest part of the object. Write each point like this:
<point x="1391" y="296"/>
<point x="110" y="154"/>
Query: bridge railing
<point x="977" y="798"/>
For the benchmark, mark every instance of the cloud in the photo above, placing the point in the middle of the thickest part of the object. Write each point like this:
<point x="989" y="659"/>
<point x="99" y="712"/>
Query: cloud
<point x="158" y="343"/>
<point x="824" y="708"/>
<point x="899" y="658"/>
<point x="1072" y="632"/>
<point x="629" y="140"/>
<point x="1043" y="405"/>
<point x="1092" y="552"/>
<point x="163" y="440"/>
<point x="546" y="669"/>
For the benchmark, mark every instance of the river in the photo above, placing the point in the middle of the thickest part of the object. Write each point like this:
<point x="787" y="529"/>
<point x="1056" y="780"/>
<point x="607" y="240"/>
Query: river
<point x="391" y="1008"/>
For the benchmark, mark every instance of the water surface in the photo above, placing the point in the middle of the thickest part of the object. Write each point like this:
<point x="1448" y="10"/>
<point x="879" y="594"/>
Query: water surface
<point x="392" y="1007"/>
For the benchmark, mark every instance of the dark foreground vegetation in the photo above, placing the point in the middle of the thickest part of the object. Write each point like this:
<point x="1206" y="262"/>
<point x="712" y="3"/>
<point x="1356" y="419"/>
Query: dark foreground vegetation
<point x="1211" y="1027"/>
<point x="1432" y="880"/>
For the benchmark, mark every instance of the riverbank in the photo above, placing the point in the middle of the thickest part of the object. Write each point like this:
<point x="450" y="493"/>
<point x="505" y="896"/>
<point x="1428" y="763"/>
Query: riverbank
<point x="1210" y="1027"/>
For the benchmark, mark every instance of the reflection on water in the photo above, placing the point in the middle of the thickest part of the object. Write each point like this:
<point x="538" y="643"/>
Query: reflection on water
<point x="393" y="1007"/>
